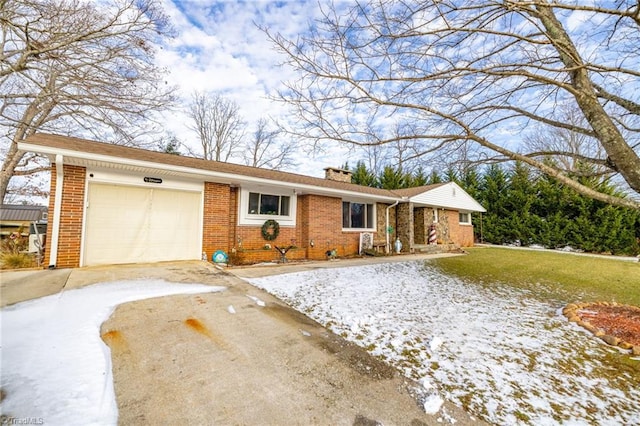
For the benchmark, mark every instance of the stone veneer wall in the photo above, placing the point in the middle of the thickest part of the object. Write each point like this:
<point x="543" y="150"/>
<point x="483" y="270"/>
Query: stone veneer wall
<point x="413" y="228"/>
<point x="443" y="230"/>
<point x="421" y="226"/>
<point x="404" y="229"/>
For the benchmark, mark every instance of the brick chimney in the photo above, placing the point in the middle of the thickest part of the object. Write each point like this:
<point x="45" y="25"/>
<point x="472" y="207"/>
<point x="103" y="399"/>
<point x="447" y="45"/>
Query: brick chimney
<point x="340" y="175"/>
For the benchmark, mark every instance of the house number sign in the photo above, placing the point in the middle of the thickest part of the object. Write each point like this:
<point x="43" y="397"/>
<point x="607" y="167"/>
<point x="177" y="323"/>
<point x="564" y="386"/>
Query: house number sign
<point x="152" y="180"/>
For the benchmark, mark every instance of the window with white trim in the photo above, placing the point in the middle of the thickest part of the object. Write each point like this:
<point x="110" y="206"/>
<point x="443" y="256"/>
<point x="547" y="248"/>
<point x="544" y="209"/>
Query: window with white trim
<point x="358" y="215"/>
<point x="268" y="204"/>
<point x="256" y="204"/>
<point x="464" y="218"/>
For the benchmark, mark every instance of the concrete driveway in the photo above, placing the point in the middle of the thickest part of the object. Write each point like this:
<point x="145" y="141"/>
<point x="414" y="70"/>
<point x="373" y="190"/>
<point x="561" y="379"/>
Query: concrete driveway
<point x="235" y="357"/>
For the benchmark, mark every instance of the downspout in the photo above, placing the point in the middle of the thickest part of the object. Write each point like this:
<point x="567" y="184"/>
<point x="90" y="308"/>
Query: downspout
<point x="57" y="209"/>
<point x="387" y="248"/>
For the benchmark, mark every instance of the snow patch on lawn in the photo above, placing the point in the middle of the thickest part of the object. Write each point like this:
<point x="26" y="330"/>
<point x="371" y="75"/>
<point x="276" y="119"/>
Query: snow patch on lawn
<point x="500" y="352"/>
<point x="55" y="367"/>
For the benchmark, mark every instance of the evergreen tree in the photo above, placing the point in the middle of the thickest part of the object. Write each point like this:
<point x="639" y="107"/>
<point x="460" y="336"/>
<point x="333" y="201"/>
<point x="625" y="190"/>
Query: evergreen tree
<point x="470" y="182"/>
<point x="450" y="175"/>
<point x="172" y="147"/>
<point x="407" y="181"/>
<point x="535" y="209"/>
<point x="434" y="177"/>
<point x="519" y="198"/>
<point x="391" y="178"/>
<point x="550" y="207"/>
<point x="492" y="189"/>
<point x="419" y="178"/>
<point x="362" y="176"/>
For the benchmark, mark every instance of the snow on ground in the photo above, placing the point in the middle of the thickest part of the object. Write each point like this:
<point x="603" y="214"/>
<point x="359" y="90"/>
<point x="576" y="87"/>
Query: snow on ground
<point x="503" y="353"/>
<point x="55" y="367"/>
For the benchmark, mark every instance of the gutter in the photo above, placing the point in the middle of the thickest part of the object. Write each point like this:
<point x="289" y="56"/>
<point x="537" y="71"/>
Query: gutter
<point x="200" y="173"/>
<point x="57" y="209"/>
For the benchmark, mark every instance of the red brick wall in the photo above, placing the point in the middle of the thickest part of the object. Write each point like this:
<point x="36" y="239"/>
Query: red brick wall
<point x="251" y="244"/>
<point x="71" y="215"/>
<point x="216" y="217"/>
<point x="460" y="234"/>
<point x="302" y="221"/>
<point x="221" y="222"/>
<point x="233" y="217"/>
<point x="318" y="218"/>
<point x="323" y="219"/>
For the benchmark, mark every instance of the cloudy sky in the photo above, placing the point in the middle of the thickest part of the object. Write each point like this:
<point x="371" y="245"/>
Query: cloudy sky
<point x="219" y="48"/>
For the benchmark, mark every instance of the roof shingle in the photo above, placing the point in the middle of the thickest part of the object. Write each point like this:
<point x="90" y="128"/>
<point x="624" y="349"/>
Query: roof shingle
<point x="137" y="154"/>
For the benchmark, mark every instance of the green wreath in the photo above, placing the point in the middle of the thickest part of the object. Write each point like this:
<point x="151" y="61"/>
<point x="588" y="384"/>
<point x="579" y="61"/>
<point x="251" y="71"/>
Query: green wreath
<point x="274" y="227"/>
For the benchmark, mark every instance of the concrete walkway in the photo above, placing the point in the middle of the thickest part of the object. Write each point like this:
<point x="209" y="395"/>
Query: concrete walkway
<point x="236" y="357"/>
<point x="20" y="285"/>
<point x="262" y="270"/>
<point x="571" y="253"/>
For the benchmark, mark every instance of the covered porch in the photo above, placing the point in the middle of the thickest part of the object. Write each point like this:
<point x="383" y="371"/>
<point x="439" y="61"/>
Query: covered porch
<point x="437" y="220"/>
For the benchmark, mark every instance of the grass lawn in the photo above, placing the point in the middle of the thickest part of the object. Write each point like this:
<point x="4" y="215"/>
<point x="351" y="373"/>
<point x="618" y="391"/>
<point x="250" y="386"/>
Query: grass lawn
<point x="548" y="274"/>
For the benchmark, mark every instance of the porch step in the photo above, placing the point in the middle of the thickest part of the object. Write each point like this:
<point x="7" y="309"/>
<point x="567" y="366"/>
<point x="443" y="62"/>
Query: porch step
<point x="435" y="248"/>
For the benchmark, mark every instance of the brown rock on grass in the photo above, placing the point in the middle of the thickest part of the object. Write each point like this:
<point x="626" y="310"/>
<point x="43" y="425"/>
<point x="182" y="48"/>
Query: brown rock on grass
<point x="611" y="340"/>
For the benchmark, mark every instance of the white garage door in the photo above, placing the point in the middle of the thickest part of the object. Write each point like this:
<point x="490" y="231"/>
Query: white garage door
<point x="127" y="224"/>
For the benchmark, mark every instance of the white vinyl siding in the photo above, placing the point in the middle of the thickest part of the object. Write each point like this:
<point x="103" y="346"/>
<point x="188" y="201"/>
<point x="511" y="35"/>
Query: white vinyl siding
<point x="449" y="196"/>
<point x="129" y="224"/>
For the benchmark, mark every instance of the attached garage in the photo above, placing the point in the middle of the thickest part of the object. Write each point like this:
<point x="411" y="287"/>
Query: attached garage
<point x="132" y="224"/>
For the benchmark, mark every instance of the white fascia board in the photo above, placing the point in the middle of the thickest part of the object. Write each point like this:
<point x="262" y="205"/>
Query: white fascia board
<point x="449" y="196"/>
<point x="205" y="174"/>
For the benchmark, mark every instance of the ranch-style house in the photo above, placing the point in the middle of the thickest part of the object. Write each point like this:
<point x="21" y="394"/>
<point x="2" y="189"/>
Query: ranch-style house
<point x="111" y="204"/>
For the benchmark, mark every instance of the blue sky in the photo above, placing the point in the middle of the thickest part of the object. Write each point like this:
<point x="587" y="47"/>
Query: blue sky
<point x="219" y="48"/>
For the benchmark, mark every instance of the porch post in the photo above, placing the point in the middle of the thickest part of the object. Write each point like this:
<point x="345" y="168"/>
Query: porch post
<point x="405" y="226"/>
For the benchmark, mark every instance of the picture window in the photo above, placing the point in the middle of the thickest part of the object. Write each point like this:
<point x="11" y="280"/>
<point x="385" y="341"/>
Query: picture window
<point x="267" y="204"/>
<point x="357" y="215"/>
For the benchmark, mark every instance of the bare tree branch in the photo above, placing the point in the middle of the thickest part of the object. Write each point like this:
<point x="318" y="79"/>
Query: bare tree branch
<point x="81" y="68"/>
<point x="267" y="148"/>
<point x="218" y="124"/>
<point x="458" y="73"/>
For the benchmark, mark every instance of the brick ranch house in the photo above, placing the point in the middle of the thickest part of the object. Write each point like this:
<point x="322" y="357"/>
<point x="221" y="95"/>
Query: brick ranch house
<point x="111" y="204"/>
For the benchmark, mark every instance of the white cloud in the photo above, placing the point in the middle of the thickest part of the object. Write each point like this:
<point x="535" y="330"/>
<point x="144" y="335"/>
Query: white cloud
<point x="219" y="47"/>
